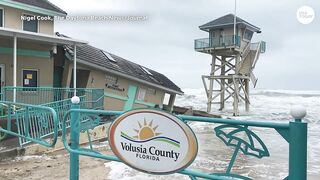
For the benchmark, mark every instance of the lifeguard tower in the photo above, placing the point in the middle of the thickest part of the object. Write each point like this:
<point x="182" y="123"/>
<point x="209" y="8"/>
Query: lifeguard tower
<point x="234" y="57"/>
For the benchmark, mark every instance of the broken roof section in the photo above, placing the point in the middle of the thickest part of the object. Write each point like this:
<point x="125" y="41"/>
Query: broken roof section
<point x="97" y="58"/>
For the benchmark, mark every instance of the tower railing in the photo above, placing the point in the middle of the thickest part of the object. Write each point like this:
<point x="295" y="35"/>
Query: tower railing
<point x="219" y="42"/>
<point x="255" y="46"/>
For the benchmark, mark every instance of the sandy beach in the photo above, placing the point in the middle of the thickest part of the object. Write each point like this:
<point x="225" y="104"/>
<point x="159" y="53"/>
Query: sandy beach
<point x="51" y="166"/>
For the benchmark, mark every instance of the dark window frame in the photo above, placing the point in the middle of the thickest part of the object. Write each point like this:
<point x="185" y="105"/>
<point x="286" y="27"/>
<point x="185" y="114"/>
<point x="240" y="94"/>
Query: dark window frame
<point x="24" y="21"/>
<point x="245" y="37"/>
<point x="2" y="17"/>
<point x="23" y="79"/>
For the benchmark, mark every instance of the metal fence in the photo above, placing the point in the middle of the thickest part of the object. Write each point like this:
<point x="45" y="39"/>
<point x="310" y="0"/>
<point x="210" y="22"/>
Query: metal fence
<point x="293" y="132"/>
<point x="45" y="95"/>
<point x="31" y="122"/>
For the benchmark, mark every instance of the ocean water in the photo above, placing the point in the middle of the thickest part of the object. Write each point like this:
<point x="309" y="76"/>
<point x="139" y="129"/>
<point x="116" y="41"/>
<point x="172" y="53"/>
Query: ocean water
<point x="213" y="156"/>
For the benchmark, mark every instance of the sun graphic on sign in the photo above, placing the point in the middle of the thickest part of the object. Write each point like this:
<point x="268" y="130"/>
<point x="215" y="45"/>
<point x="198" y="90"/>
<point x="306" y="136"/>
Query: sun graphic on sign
<point x="146" y="130"/>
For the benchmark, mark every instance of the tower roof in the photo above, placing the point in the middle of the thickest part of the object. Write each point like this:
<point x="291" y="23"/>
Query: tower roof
<point x="227" y="21"/>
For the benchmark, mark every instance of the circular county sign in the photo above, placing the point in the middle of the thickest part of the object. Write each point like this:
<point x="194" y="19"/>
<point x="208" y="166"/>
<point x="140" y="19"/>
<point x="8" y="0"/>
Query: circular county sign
<point x="153" y="141"/>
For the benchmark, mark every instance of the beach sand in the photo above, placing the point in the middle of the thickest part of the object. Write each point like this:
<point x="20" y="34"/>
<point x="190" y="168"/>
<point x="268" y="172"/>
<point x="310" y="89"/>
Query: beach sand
<point x="53" y="166"/>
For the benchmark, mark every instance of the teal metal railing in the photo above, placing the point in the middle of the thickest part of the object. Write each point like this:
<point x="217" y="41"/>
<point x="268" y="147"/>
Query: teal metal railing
<point x="61" y="107"/>
<point x="29" y="123"/>
<point x="55" y="98"/>
<point x="230" y="132"/>
<point x="220" y="42"/>
<point x="45" y="95"/>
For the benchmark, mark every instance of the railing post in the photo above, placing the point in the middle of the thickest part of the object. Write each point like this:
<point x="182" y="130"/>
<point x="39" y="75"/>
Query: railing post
<point x="26" y="122"/>
<point x="74" y="138"/>
<point x="9" y="117"/>
<point x="298" y="145"/>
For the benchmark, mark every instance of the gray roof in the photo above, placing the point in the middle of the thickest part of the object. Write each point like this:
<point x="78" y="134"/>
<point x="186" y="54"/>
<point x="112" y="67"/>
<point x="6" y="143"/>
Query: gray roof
<point x="45" y="4"/>
<point x="225" y="21"/>
<point x="95" y="56"/>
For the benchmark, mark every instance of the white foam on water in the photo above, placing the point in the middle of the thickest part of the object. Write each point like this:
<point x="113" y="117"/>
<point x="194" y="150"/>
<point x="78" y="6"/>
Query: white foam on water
<point x="271" y="105"/>
<point x="214" y="156"/>
<point x="124" y="172"/>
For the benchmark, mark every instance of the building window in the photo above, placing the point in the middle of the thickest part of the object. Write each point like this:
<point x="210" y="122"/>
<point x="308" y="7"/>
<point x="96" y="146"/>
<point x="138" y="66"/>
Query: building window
<point x="112" y="83"/>
<point x="30" y="23"/>
<point x="212" y="38"/>
<point x="111" y="80"/>
<point x="1" y="18"/>
<point x="247" y="35"/>
<point x="151" y="91"/>
<point x="221" y="37"/>
<point x="212" y="34"/>
<point x="29" y="78"/>
<point x="141" y="94"/>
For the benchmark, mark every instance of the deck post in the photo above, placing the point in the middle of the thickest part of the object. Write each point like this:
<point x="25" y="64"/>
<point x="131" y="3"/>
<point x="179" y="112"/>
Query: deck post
<point x="222" y="85"/>
<point x="236" y="82"/>
<point x="171" y="102"/>
<point x="298" y="145"/>
<point x="75" y="69"/>
<point x="74" y="139"/>
<point x="213" y="64"/>
<point x="14" y="68"/>
<point x="247" y="89"/>
<point x="236" y="97"/>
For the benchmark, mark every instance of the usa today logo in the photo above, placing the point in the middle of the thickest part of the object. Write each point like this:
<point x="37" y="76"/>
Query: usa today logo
<point x="305" y="14"/>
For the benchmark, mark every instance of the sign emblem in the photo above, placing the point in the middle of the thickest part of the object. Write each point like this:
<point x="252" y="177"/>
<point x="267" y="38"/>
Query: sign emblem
<point x="153" y="141"/>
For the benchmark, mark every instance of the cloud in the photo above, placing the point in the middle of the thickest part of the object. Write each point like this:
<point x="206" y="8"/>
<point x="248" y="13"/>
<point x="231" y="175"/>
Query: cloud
<point x="164" y="42"/>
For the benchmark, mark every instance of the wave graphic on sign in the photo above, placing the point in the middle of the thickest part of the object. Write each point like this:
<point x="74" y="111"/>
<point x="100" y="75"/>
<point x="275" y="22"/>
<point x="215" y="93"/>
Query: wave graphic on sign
<point x="158" y="138"/>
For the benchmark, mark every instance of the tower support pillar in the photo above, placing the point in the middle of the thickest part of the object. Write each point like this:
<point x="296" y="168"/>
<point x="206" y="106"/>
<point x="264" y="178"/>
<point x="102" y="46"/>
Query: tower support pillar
<point x="247" y="89"/>
<point x="222" y="86"/>
<point x="210" y="93"/>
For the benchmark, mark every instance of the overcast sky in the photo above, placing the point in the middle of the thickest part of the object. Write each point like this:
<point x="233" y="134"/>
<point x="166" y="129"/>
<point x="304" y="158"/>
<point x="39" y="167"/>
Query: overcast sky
<point x="165" y="41"/>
